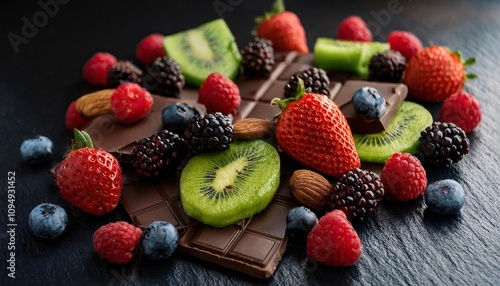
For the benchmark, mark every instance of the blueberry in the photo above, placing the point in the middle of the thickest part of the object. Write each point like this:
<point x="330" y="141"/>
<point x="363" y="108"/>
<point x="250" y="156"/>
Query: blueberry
<point x="47" y="220"/>
<point x="175" y="117"/>
<point x="300" y="221"/>
<point x="37" y="150"/>
<point x="159" y="240"/>
<point x="445" y="196"/>
<point x="368" y="101"/>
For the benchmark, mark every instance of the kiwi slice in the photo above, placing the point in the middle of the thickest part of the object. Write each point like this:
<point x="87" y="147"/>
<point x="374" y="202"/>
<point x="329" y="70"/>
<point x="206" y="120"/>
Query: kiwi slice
<point x="222" y="188"/>
<point x="341" y="55"/>
<point x="208" y="48"/>
<point x="401" y="135"/>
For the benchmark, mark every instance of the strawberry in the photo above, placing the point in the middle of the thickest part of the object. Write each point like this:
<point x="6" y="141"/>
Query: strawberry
<point x="312" y="130"/>
<point x="283" y="28"/>
<point x="116" y="241"/>
<point x="463" y="109"/>
<point x="90" y="178"/>
<point x="333" y="241"/>
<point x="435" y="73"/>
<point x="219" y="94"/>
<point x="353" y="28"/>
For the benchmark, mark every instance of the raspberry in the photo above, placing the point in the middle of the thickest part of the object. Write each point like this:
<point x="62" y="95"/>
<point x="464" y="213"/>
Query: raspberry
<point x="404" y="42"/>
<point x="353" y="28"/>
<point x="219" y="94"/>
<point x="333" y="241"/>
<point x="117" y="241"/>
<point x="73" y="118"/>
<point x="130" y="102"/>
<point x="150" y="48"/>
<point x="95" y="70"/>
<point x="404" y="177"/>
<point x="463" y="109"/>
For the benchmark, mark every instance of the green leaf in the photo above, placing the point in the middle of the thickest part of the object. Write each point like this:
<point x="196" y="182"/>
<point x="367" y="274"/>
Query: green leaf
<point x="82" y="140"/>
<point x="471" y="76"/>
<point x="469" y="61"/>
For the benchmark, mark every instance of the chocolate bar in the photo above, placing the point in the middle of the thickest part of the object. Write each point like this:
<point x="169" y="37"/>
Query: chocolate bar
<point x="254" y="245"/>
<point x="393" y="94"/>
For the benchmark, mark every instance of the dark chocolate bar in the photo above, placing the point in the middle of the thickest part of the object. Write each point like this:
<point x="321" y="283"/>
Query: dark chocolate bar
<point x="254" y="245"/>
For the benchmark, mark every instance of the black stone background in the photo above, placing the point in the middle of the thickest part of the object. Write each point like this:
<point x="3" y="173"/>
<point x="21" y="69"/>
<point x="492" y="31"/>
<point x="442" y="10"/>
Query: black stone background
<point x="403" y="243"/>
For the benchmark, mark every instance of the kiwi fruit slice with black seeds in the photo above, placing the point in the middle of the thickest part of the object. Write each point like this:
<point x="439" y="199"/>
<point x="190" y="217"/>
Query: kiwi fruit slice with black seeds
<point x="401" y="135"/>
<point x="221" y="188"/>
<point x="208" y="48"/>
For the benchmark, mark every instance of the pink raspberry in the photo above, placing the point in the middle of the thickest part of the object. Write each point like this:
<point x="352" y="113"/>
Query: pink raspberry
<point x="219" y="94"/>
<point x="353" y="28"/>
<point x="404" y="42"/>
<point x="404" y="177"/>
<point x="130" y="102"/>
<point x="73" y="118"/>
<point x="95" y="70"/>
<point x="463" y="109"/>
<point x="116" y="242"/>
<point x="333" y="240"/>
<point x="150" y="48"/>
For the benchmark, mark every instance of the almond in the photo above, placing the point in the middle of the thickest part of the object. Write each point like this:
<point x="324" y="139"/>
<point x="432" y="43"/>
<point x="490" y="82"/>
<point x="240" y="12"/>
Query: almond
<point x="252" y="128"/>
<point x="95" y="103"/>
<point x="311" y="189"/>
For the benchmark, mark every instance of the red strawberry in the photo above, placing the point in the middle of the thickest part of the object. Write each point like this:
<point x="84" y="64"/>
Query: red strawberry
<point x="404" y="177"/>
<point x="333" y="241"/>
<point x="463" y="109"/>
<point x="435" y="73"/>
<point x="404" y="42"/>
<point x="312" y="130"/>
<point x="73" y="118"/>
<point x="353" y="28"/>
<point x="283" y="28"/>
<point x="150" y="48"/>
<point x="117" y="241"/>
<point x="130" y="102"/>
<point x="90" y="178"/>
<point x="95" y="70"/>
<point x="219" y="94"/>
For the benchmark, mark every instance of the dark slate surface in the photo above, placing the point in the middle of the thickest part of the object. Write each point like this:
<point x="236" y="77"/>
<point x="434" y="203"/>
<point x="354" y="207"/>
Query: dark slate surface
<point x="403" y="244"/>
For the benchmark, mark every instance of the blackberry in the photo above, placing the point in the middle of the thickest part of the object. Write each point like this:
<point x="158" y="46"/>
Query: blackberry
<point x="387" y="66"/>
<point x="209" y="132"/>
<point x="159" y="153"/>
<point x="443" y="143"/>
<point x="164" y="77"/>
<point x="315" y="80"/>
<point x="357" y="193"/>
<point x="124" y="71"/>
<point x="258" y="58"/>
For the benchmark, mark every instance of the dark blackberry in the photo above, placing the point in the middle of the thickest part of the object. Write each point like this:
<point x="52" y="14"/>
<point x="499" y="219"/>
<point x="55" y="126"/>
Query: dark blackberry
<point x="164" y="77"/>
<point x="258" y="58"/>
<point x="159" y="153"/>
<point x="315" y="80"/>
<point x="209" y="132"/>
<point x="357" y="193"/>
<point x="124" y="71"/>
<point x="387" y="66"/>
<point x="442" y="143"/>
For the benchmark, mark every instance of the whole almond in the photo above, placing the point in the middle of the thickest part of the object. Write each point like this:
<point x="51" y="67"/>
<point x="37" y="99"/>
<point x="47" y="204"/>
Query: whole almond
<point x="95" y="103"/>
<point x="311" y="189"/>
<point x="252" y="128"/>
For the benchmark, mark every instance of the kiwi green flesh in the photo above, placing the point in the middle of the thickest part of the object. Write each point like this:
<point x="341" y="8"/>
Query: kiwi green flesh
<point x="402" y="134"/>
<point x="208" y="48"/>
<point x="340" y="55"/>
<point x="222" y="188"/>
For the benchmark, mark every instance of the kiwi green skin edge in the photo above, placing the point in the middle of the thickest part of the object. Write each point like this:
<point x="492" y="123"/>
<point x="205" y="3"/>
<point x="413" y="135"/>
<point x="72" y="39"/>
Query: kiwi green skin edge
<point x="380" y="154"/>
<point x="331" y="54"/>
<point x="192" y="73"/>
<point x="262" y="184"/>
